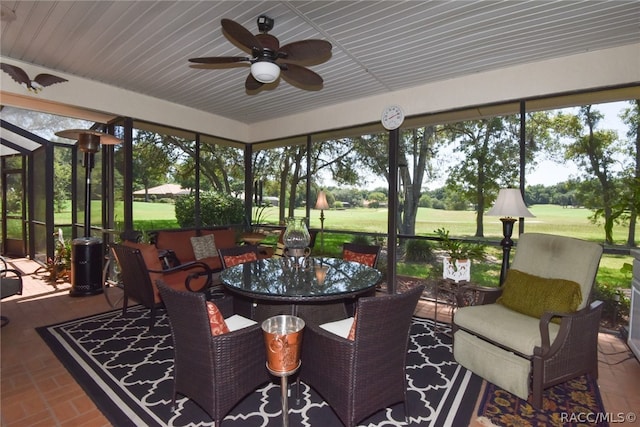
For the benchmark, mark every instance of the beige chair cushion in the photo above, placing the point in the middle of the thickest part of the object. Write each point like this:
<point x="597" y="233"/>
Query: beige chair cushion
<point x="504" y="326"/>
<point x="498" y="366"/>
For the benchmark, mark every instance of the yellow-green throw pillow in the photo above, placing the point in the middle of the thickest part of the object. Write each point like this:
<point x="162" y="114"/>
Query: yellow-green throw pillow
<point x="533" y="295"/>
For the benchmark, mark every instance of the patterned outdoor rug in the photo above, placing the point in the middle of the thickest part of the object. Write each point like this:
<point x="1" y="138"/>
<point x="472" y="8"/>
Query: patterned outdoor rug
<point x="574" y="403"/>
<point x="128" y="372"/>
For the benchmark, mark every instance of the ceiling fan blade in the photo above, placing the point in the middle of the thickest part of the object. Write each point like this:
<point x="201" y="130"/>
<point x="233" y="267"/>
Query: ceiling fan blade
<point x="251" y="83"/>
<point x="268" y="41"/>
<point x="241" y="35"/>
<point x="316" y="51"/>
<point x="303" y="76"/>
<point x="220" y="59"/>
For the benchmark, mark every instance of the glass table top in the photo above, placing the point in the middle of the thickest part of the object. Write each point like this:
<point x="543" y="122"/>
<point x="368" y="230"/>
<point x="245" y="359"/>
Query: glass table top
<point x="325" y="278"/>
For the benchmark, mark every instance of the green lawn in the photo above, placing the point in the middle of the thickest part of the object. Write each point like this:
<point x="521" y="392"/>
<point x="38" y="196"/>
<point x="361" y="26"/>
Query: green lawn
<point x="548" y="219"/>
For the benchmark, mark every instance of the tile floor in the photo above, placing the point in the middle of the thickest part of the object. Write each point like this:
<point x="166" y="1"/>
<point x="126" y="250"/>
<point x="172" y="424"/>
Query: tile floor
<point x="36" y="390"/>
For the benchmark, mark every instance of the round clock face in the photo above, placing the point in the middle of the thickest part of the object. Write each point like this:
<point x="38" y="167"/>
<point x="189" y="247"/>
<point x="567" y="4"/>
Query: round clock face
<point x="392" y="117"/>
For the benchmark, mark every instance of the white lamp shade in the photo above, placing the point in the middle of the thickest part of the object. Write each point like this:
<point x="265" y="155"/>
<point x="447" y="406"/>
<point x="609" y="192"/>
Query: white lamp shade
<point x="510" y="204"/>
<point x="265" y="71"/>
<point x="321" y="203"/>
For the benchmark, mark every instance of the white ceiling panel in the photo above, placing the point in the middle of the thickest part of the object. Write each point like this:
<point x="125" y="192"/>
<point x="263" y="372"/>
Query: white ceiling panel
<point x="378" y="46"/>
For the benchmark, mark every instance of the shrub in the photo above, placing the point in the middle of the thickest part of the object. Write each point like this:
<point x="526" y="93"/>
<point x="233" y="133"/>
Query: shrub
<point x="608" y="294"/>
<point x="425" y="201"/>
<point x="215" y="209"/>
<point x="438" y="204"/>
<point x="418" y="251"/>
<point x="361" y="240"/>
<point x="14" y="201"/>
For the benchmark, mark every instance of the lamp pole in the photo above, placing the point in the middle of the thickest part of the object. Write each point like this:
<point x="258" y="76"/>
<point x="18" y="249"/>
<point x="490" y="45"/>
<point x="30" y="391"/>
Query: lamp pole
<point x="322" y="204"/>
<point x="322" y="230"/>
<point x="507" y="244"/>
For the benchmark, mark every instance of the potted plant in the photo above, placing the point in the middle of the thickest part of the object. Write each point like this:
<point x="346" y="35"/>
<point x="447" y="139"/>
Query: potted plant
<point x="59" y="267"/>
<point x="457" y="264"/>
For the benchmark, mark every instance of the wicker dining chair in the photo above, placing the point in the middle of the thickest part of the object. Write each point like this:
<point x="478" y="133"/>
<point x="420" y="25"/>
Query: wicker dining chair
<point x="361" y="376"/>
<point x="364" y="254"/>
<point x="257" y="310"/>
<point x="238" y="255"/>
<point x="217" y="371"/>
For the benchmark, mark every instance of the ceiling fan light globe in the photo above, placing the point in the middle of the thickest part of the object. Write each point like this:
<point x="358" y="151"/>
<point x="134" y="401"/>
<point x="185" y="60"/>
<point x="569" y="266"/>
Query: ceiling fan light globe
<point x="265" y="72"/>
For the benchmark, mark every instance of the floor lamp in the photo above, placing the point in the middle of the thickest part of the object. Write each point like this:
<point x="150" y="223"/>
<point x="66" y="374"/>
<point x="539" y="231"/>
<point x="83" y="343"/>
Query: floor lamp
<point x="86" y="252"/>
<point x="509" y="206"/>
<point x="321" y="203"/>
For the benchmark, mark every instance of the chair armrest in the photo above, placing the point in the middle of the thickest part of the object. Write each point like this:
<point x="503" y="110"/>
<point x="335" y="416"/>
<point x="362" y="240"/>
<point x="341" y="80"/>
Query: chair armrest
<point x="199" y="269"/>
<point x="571" y="325"/>
<point x="10" y="284"/>
<point x="482" y="294"/>
<point x="12" y="271"/>
<point x="225" y="305"/>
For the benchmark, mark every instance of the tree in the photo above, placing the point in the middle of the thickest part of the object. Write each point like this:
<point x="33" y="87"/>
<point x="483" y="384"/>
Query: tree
<point x="489" y="152"/>
<point x="420" y="142"/>
<point x="489" y="160"/>
<point x="595" y="153"/>
<point x="289" y="166"/>
<point x="630" y="199"/>
<point x="221" y="167"/>
<point x="150" y="162"/>
<point x="416" y="149"/>
<point x="61" y="178"/>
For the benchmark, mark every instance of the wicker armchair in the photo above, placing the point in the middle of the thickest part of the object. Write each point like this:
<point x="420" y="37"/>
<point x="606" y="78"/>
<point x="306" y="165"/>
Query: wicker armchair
<point x="524" y="354"/>
<point x="140" y="271"/>
<point x="218" y="371"/>
<point x="361" y="376"/>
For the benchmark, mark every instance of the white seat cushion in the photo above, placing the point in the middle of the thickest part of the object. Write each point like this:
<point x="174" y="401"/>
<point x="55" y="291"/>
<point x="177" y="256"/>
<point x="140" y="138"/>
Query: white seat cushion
<point x="339" y="327"/>
<point x="236" y="322"/>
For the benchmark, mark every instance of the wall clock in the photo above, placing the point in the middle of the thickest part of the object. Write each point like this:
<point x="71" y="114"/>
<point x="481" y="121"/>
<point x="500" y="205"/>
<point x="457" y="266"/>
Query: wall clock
<point x="392" y="117"/>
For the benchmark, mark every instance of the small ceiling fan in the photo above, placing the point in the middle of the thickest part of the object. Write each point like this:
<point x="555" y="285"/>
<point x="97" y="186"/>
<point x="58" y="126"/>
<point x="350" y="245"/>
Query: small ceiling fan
<point x="268" y="59"/>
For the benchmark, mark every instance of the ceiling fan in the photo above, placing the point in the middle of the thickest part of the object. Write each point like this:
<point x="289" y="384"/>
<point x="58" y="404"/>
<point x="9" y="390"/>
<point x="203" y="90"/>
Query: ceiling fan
<point x="268" y="59"/>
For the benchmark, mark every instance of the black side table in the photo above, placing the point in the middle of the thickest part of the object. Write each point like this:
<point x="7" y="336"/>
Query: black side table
<point x="453" y="294"/>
